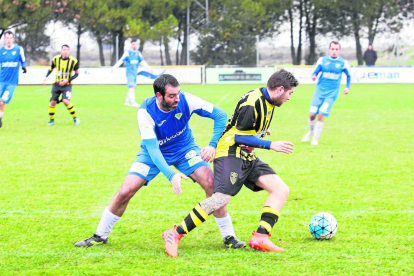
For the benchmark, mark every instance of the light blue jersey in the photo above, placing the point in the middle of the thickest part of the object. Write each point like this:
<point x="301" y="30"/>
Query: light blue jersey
<point x="330" y="79"/>
<point x="10" y="60"/>
<point x="167" y="138"/>
<point x="132" y="61"/>
<point x="327" y="88"/>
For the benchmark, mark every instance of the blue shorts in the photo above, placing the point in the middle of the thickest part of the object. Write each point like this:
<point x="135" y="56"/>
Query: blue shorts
<point x="186" y="162"/>
<point x="131" y="80"/>
<point x="321" y="105"/>
<point x="6" y="92"/>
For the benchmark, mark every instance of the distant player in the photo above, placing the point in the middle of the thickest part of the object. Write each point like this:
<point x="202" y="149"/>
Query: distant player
<point x="236" y="164"/>
<point x="132" y="58"/>
<point x="168" y="140"/>
<point x="62" y="87"/>
<point x="11" y="57"/>
<point x="327" y="89"/>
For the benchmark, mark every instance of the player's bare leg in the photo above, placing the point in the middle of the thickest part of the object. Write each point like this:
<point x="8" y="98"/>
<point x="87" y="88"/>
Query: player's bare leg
<point x="114" y="211"/>
<point x="278" y="193"/>
<point x="197" y="216"/>
<point x="2" y="105"/>
<point x="204" y="176"/>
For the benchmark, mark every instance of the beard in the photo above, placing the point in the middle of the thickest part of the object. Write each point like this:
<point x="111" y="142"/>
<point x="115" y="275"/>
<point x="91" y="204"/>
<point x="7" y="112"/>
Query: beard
<point x="168" y="106"/>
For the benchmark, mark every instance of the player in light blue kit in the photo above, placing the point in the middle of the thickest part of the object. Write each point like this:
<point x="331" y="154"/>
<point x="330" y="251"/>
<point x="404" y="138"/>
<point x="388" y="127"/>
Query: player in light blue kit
<point x="11" y="56"/>
<point x="327" y="90"/>
<point x="132" y="58"/>
<point x="168" y="140"/>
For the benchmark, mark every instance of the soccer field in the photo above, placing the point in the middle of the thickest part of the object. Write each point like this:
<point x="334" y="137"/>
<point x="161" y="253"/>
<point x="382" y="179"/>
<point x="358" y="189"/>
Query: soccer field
<point x="56" y="181"/>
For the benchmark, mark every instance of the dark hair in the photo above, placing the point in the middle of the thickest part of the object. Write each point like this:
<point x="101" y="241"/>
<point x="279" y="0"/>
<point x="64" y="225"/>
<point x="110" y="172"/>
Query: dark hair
<point x="65" y="45"/>
<point x="282" y="78"/>
<point x="336" y="43"/>
<point x="134" y="40"/>
<point x="162" y="81"/>
<point x="9" y="32"/>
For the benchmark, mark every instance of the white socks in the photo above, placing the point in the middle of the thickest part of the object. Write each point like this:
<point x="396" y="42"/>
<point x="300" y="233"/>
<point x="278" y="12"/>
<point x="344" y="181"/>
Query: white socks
<point x="106" y="224"/>
<point x="318" y="130"/>
<point x="1" y="114"/>
<point x="130" y="98"/>
<point x="225" y="226"/>
<point x="311" y="125"/>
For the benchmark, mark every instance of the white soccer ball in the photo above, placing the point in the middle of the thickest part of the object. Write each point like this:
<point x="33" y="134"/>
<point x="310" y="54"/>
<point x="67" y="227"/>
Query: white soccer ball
<point x="323" y="226"/>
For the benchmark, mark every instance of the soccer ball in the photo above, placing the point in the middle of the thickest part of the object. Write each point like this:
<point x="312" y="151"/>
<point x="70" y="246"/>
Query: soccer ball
<point x="323" y="226"/>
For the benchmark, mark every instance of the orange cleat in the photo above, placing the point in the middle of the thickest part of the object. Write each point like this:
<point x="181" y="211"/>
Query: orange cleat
<point x="261" y="242"/>
<point x="171" y="240"/>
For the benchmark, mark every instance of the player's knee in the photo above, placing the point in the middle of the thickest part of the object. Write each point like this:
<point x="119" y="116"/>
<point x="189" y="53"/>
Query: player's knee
<point x="283" y="190"/>
<point x="125" y="193"/>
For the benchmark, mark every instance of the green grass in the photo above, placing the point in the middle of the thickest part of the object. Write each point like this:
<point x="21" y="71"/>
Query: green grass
<point x="56" y="181"/>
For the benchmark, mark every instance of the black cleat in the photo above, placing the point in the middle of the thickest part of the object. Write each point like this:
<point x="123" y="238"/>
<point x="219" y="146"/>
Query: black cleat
<point x="1" y="122"/>
<point x="232" y="242"/>
<point x="94" y="240"/>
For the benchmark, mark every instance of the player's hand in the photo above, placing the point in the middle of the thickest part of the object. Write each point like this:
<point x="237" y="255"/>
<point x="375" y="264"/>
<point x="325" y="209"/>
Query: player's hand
<point x="176" y="182"/>
<point x="314" y="77"/>
<point x="24" y="70"/>
<point x="44" y="81"/>
<point x="282" y="146"/>
<point x="268" y="132"/>
<point x="208" y="153"/>
<point x="346" y="90"/>
<point x="63" y="82"/>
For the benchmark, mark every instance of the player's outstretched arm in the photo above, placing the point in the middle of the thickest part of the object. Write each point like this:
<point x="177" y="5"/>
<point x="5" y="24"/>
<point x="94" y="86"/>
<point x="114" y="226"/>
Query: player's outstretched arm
<point x="282" y="146"/>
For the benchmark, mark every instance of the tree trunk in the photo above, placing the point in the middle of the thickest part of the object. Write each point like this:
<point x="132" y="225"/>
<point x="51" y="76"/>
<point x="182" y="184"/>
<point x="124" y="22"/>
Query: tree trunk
<point x="183" y="59"/>
<point x="100" y="46"/>
<point x="356" y="26"/>
<point x="311" y="30"/>
<point x="292" y="46"/>
<point x="121" y="44"/>
<point x="78" y="46"/>
<point x="167" y="51"/>
<point x="162" y="59"/>
<point x="299" y="50"/>
<point x="141" y="45"/>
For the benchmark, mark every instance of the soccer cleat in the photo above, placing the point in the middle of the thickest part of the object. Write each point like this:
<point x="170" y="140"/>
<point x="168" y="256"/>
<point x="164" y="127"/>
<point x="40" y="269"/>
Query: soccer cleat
<point x="135" y="105"/>
<point x="232" y="242"/>
<point x="314" y="142"/>
<point x="127" y="104"/>
<point x="261" y="242"/>
<point x="94" y="240"/>
<point x="171" y="240"/>
<point x="307" y="137"/>
<point x="1" y="123"/>
<point x="76" y="121"/>
<point x="51" y="123"/>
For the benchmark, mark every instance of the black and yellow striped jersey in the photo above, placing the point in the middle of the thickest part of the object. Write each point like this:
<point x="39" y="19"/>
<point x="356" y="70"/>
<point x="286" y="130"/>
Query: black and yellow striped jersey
<point x="64" y="67"/>
<point x="252" y="116"/>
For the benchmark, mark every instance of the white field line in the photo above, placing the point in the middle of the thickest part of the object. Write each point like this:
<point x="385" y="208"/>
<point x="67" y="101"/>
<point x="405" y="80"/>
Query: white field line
<point x="63" y="213"/>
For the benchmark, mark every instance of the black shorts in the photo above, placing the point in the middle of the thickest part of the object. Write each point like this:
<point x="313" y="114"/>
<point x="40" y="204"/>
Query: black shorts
<point x="57" y="90"/>
<point x="230" y="173"/>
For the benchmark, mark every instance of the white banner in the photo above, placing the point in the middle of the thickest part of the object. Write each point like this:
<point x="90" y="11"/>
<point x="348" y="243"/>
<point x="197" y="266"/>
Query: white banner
<point x="238" y="75"/>
<point x="361" y="74"/>
<point x="184" y="75"/>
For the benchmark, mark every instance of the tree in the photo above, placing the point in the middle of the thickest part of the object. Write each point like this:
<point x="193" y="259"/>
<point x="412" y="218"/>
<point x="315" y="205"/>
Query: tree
<point x="231" y="35"/>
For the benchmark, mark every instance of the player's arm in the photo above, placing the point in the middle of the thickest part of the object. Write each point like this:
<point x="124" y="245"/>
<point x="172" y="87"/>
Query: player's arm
<point x="245" y="125"/>
<point x="206" y="109"/>
<point x="120" y="61"/>
<point x="49" y="71"/>
<point x="144" y="63"/>
<point x="146" y="127"/>
<point x="318" y="69"/>
<point x="76" y="69"/>
<point x="22" y="59"/>
<point x="346" y="70"/>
